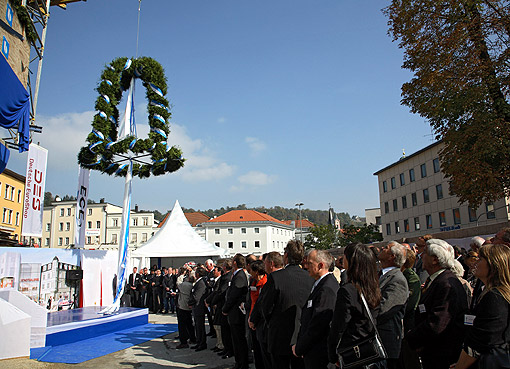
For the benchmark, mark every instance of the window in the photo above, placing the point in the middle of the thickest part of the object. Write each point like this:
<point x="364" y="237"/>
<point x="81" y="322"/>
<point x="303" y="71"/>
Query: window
<point x="60" y="241"/>
<point x="135" y="222"/>
<point x="426" y="195"/>
<point x="67" y="241"/>
<point x="395" y="205"/>
<point x="243" y="230"/>
<point x="217" y="244"/>
<point x="489" y="209"/>
<point x="98" y="224"/>
<point x="456" y="216"/>
<point x="144" y="237"/>
<point x="89" y="211"/>
<point x="48" y="227"/>
<point x="68" y="212"/>
<point x="393" y="183"/>
<point x="397" y="227"/>
<point x="402" y="179"/>
<point x="230" y="231"/>
<point x="439" y="191"/>
<point x="145" y="221"/>
<point x="243" y="244"/>
<point x="4" y="215"/>
<point x="417" y="224"/>
<point x="216" y="231"/>
<point x="404" y="202"/>
<point x="257" y="244"/>
<point x="428" y="220"/>
<point x="89" y="224"/>
<point x="89" y="240"/>
<point x="19" y="196"/>
<point x="10" y="217"/>
<point x="406" y="225"/>
<point x="385" y="186"/>
<point x="257" y="230"/>
<point x="472" y="214"/>
<point x="273" y="244"/>
<point x="62" y="212"/>
<point x="47" y="242"/>
<point x="377" y="221"/>
<point x="423" y="169"/>
<point x="412" y="178"/>
<point x="115" y="222"/>
<point x="134" y="237"/>
<point x="61" y="226"/>
<point x="68" y="226"/>
<point x="17" y="218"/>
<point x="386" y="207"/>
<point x="414" y="199"/>
<point x="388" y="229"/>
<point x="436" y="165"/>
<point x="114" y="238"/>
<point x="442" y="219"/>
<point x="231" y="244"/>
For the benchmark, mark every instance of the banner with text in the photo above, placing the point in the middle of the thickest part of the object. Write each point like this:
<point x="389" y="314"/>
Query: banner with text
<point x="82" y="196"/>
<point x="34" y="191"/>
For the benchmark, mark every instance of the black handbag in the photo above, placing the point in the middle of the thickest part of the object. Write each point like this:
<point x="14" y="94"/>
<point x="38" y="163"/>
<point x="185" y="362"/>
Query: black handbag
<point x="365" y="351"/>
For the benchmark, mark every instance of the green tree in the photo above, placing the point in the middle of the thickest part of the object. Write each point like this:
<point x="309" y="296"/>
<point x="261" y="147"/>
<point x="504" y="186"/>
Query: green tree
<point x="48" y="198"/>
<point x="322" y="237"/>
<point x="459" y="53"/>
<point x="364" y="234"/>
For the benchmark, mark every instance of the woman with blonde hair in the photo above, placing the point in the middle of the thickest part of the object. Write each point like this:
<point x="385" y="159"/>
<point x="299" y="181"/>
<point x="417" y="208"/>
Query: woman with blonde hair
<point x="487" y="340"/>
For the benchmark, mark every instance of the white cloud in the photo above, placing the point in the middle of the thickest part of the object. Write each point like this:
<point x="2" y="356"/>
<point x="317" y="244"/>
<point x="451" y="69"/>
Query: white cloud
<point x="254" y="178"/>
<point x="255" y="144"/>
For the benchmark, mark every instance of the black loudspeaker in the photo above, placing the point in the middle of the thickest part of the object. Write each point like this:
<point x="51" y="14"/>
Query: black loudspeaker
<point x="74" y="275"/>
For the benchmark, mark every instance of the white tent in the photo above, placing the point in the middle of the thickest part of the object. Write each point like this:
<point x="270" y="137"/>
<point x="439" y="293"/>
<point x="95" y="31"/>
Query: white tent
<point x="14" y="330"/>
<point x="177" y="239"/>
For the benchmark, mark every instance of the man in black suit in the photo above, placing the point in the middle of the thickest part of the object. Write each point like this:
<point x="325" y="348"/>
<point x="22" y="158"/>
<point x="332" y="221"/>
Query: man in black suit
<point x="157" y="291"/>
<point x="235" y="309"/>
<point x="134" y="285"/>
<point x="286" y="293"/>
<point x="394" y="295"/>
<point x="219" y="300"/>
<point x="317" y="312"/>
<point x="197" y="303"/>
<point x="439" y="331"/>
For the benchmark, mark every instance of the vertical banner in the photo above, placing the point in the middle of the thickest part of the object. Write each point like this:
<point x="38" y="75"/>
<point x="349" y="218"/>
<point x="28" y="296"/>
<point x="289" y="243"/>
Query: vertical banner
<point x="34" y="191"/>
<point x="80" y="215"/>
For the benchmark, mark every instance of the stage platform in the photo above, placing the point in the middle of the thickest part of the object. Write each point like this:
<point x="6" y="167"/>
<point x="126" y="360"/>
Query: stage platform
<point x="68" y="326"/>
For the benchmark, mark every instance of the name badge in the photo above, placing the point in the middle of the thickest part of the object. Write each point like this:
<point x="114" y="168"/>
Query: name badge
<point x="469" y="319"/>
<point x="309" y="304"/>
<point x="229" y="283"/>
<point x="253" y="288"/>
<point x="421" y="309"/>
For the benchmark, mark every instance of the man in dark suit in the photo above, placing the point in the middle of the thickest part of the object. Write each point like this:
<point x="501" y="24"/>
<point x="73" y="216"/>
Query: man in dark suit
<point x="418" y="266"/>
<point x="234" y="308"/>
<point x="439" y="331"/>
<point x="134" y="285"/>
<point x="317" y="312"/>
<point x="157" y="291"/>
<point x="197" y="303"/>
<point x="394" y="294"/>
<point x="218" y="300"/>
<point x="287" y="291"/>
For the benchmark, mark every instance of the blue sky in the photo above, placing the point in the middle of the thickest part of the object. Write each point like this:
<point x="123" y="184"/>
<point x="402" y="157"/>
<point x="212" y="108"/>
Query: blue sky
<point x="273" y="102"/>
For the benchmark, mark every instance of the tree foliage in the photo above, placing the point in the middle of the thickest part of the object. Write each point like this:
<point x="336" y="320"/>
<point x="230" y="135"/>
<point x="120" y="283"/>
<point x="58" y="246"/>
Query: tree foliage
<point x="459" y="53"/>
<point x="322" y="237"/>
<point x="364" y="234"/>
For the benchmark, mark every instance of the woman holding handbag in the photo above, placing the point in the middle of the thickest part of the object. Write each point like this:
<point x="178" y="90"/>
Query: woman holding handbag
<point x="352" y="322"/>
<point x="488" y="337"/>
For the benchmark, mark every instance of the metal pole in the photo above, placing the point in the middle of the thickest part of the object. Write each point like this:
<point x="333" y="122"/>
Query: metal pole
<point x="300" y="220"/>
<point x="39" y="66"/>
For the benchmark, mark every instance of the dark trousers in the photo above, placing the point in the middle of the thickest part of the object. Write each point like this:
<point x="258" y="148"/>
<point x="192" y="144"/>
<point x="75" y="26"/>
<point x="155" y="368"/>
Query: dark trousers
<point x="286" y="361"/>
<point x="135" y="297"/>
<point x="185" y="324"/>
<point x="226" y="336"/>
<point x="262" y="342"/>
<point x="240" y="345"/>
<point x="257" y="351"/>
<point x="157" y="298"/>
<point x="200" y="329"/>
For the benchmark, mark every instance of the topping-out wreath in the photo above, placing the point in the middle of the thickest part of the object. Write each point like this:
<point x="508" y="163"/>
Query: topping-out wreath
<point x="103" y="150"/>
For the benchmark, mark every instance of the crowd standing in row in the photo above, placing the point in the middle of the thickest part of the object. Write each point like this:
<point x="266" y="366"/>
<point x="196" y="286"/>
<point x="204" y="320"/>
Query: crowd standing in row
<point x="434" y="306"/>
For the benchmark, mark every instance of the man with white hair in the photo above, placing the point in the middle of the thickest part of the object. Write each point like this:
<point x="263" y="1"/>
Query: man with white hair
<point x="439" y="330"/>
<point x="394" y="295"/>
<point x="476" y="243"/>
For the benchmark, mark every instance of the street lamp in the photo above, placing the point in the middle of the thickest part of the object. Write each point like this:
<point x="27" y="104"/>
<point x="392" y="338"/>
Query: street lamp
<point x="300" y="220"/>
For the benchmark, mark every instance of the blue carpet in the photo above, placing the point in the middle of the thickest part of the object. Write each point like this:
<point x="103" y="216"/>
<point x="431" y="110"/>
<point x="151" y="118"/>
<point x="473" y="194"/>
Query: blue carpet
<point x="78" y="352"/>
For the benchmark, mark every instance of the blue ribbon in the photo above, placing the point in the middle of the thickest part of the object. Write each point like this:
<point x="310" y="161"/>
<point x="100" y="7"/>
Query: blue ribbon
<point x="108" y="145"/>
<point x="132" y="144"/>
<point x="108" y="82"/>
<point x="160" y="118"/>
<point x="156" y="89"/>
<point x="98" y="134"/>
<point x="159" y="105"/>
<point x="110" y="166"/>
<point x="120" y="168"/>
<point x="128" y="64"/>
<point x="103" y="115"/>
<point x="106" y="98"/>
<point x="160" y="131"/>
<point x="94" y="145"/>
<point x="138" y="73"/>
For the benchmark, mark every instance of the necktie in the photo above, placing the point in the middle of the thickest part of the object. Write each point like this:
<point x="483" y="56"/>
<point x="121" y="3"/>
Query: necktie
<point x="426" y="285"/>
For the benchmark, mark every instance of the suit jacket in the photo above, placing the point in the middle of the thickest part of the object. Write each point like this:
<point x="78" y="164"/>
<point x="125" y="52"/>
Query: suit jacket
<point x="439" y="319"/>
<point x="285" y="294"/>
<point x="315" y="318"/>
<point x="414" y="285"/>
<point x="197" y="297"/>
<point x="135" y="280"/>
<point x="235" y="298"/>
<point x="418" y="268"/>
<point x="394" y="294"/>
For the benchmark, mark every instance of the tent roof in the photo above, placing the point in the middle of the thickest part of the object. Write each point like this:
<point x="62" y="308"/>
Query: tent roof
<point x="176" y="239"/>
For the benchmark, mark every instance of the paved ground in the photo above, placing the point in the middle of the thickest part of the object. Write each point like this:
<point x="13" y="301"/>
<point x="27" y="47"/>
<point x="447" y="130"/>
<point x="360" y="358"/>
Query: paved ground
<point x="157" y="353"/>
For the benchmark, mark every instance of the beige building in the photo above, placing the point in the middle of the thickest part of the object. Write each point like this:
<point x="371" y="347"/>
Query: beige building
<point x="102" y="226"/>
<point x="415" y="200"/>
<point x="12" y="192"/>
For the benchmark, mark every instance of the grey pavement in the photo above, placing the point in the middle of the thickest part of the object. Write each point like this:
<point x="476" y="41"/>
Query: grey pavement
<point x="157" y="353"/>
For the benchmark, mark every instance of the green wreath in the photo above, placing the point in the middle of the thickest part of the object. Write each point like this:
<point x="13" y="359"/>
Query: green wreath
<point x="102" y="141"/>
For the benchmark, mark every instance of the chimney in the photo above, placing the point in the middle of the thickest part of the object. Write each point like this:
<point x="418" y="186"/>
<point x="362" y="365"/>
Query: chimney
<point x="136" y="208"/>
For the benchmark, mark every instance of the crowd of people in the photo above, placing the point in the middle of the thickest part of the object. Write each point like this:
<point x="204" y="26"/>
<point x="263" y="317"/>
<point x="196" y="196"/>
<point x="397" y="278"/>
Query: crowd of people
<point x="433" y="306"/>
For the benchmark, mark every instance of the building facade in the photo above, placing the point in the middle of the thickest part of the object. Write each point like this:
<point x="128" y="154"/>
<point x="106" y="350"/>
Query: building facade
<point x="415" y="200"/>
<point x="248" y="232"/>
<point x="12" y="193"/>
<point x="142" y="227"/>
<point x="373" y="216"/>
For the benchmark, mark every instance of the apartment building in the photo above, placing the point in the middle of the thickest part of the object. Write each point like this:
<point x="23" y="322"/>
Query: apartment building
<point x="12" y="192"/>
<point x="415" y="200"/>
<point x="142" y="227"/>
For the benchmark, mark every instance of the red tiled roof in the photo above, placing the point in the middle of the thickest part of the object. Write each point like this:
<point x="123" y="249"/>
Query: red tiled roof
<point x="245" y="216"/>
<point x="305" y="223"/>
<point x="193" y="218"/>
